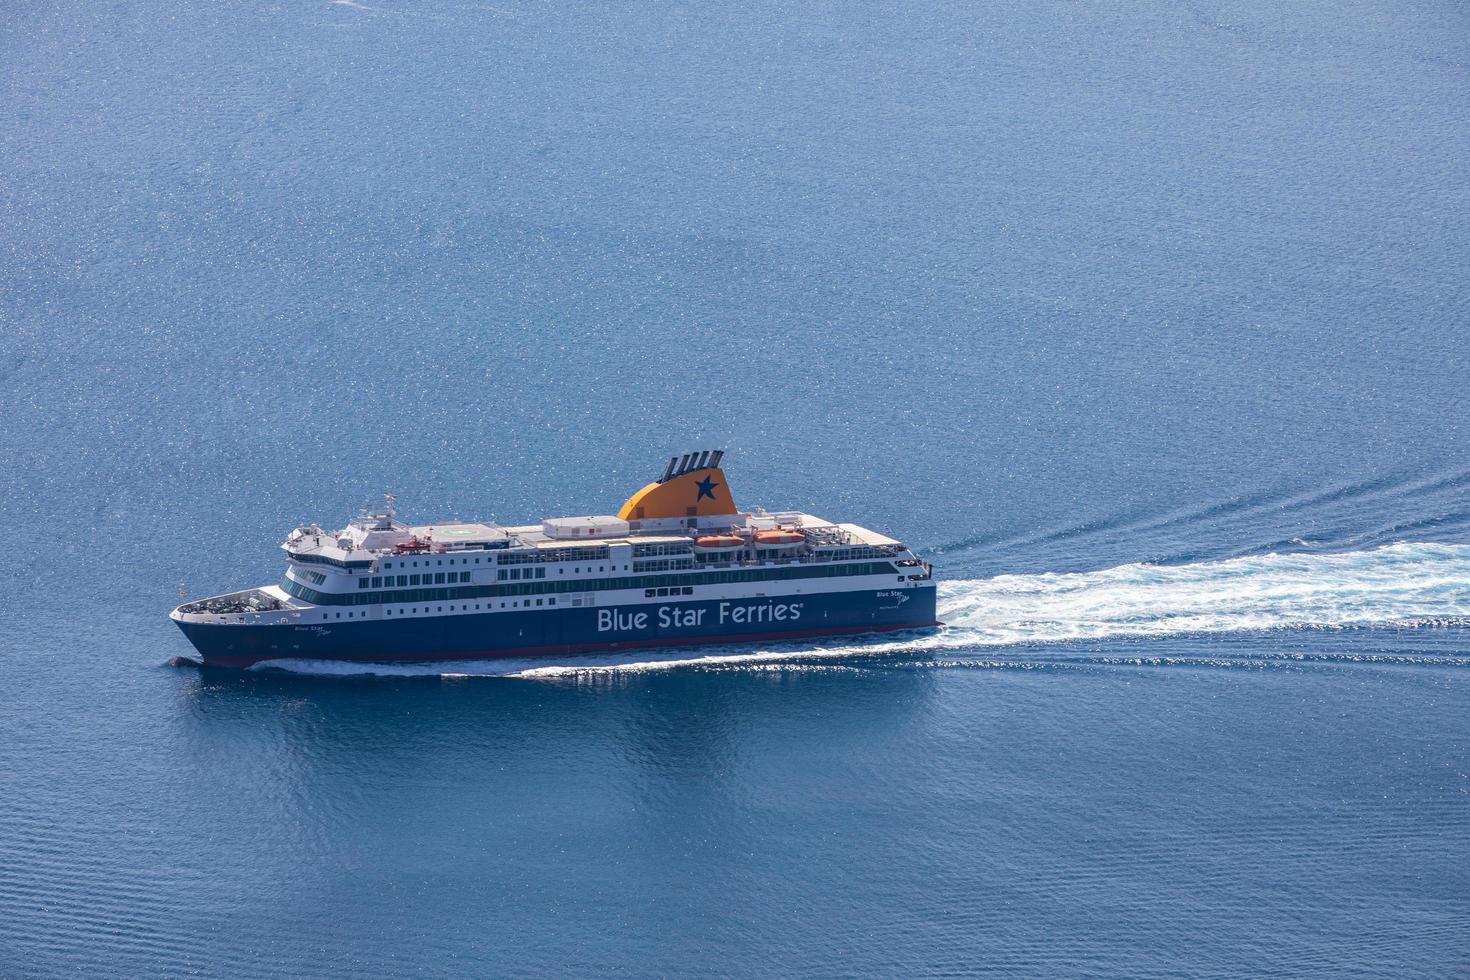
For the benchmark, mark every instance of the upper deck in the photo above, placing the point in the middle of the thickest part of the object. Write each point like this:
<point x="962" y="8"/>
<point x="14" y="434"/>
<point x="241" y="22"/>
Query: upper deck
<point x="365" y="546"/>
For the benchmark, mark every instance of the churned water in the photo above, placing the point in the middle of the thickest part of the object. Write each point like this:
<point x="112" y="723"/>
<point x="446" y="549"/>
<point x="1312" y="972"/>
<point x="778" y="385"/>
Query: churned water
<point x="1147" y="323"/>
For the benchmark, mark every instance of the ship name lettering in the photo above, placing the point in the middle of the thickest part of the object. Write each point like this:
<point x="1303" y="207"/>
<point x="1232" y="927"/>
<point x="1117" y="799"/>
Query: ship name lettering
<point x="676" y="617"/>
<point x="611" y="619"/>
<point x="760" y="613"/>
<point x="669" y="616"/>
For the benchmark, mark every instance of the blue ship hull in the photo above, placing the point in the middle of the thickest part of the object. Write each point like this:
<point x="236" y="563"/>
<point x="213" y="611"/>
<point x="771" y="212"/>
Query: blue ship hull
<point x="565" y="630"/>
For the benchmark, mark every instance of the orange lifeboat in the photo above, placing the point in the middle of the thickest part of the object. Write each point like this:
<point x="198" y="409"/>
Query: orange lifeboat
<point x="718" y="542"/>
<point x="778" y="538"/>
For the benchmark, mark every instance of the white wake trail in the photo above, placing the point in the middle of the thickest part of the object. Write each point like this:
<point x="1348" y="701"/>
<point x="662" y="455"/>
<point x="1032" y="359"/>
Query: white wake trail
<point x="1400" y="584"/>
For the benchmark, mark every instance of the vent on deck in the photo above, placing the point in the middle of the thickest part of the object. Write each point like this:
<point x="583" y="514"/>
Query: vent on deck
<point x="689" y="462"/>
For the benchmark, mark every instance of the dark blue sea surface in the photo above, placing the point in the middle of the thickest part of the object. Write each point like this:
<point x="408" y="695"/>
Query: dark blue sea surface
<point x="1147" y="323"/>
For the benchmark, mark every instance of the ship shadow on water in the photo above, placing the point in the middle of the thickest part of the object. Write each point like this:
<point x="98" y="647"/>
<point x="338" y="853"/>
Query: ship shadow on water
<point x="670" y="742"/>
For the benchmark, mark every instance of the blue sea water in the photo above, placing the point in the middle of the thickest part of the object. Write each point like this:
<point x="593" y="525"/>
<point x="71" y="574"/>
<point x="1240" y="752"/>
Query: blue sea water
<point x="1147" y="323"/>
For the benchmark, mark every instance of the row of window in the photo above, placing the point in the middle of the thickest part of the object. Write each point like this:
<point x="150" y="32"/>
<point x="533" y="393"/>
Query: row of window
<point x="464" y="607"/>
<point x="518" y="573"/>
<point x="541" y="555"/>
<point x="324" y="560"/>
<point x="538" y="555"/>
<point x="503" y="575"/>
<point x="402" y="563"/>
<point x="400" y="581"/>
<point x="661" y="548"/>
<point x="518" y="558"/>
<point x="663" y="564"/>
<point x="851" y="554"/>
<point x="731" y="576"/>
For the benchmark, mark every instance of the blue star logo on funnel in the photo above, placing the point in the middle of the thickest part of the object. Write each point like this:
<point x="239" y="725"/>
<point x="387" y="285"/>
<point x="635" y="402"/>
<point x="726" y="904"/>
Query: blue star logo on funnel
<point x="706" y="489"/>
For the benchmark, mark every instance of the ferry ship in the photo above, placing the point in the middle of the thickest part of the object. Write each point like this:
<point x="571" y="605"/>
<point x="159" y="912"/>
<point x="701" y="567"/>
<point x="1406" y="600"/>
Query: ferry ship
<point x="679" y="565"/>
